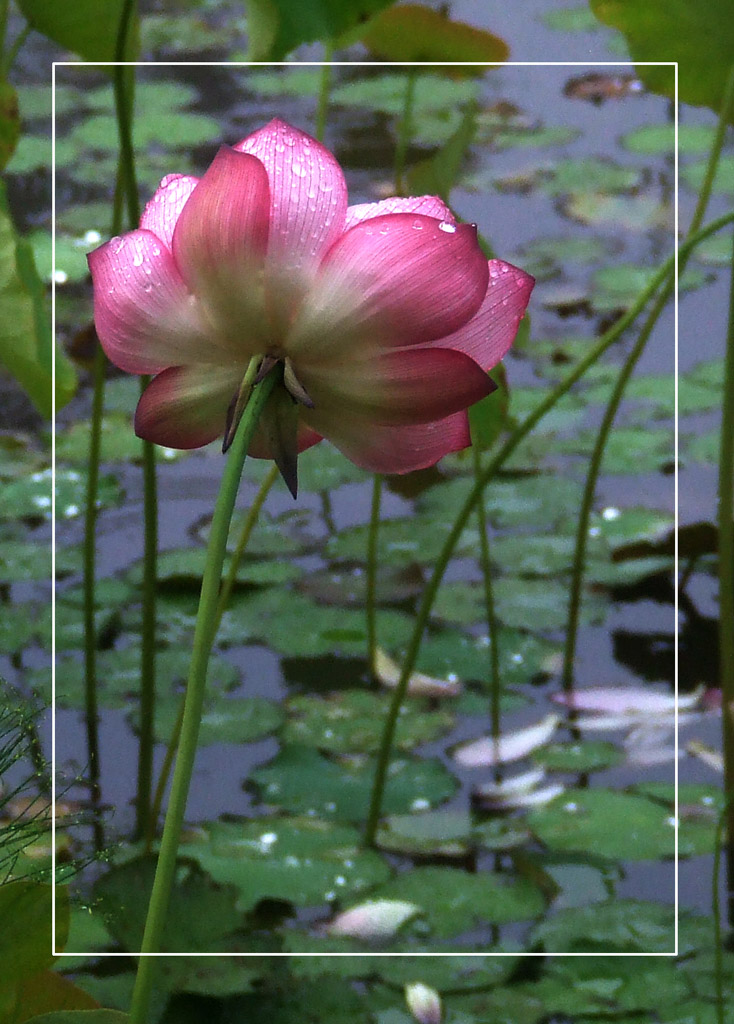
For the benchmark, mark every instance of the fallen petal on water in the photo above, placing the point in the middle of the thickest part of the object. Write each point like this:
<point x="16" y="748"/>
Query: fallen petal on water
<point x="419" y="685"/>
<point x="375" y="919"/>
<point x="510" y="747"/>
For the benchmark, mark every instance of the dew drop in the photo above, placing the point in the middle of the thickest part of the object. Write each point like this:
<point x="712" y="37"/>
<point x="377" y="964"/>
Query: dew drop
<point x="117" y="244"/>
<point x="417" y="225"/>
<point x="138" y="259"/>
<point x="299" y="170"/>
<point x="444" y="225"/>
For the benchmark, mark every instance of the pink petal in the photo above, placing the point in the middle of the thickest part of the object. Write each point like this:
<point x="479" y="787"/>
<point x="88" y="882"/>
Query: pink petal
<point x="398" y="279"/>
<point x="146" y="318"/>
<point x="429" y="206"/>
<point x="186" y="406"/>
<point x="400" y="387"/>
<point x="491" y="331"/>
<point x="623" y="700"/>
<point x="308" y="194"/>
<point x="163" y="209"/>
<point x="219" y="244"/>
<point x="382" y="449"/>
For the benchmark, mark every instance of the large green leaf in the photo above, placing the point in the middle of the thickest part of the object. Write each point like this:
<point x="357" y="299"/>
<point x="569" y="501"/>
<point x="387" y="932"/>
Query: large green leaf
<point x="26" y="345"/>
<point x="86" y="27"/>
<point x="418" y="34"/>
<point x="25" y="935"/>
<point x="81" y="1017"/>
<point x="278" y="26"/>
<point x="700" y="36"/>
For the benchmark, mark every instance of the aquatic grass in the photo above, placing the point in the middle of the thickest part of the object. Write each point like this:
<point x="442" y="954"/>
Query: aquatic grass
<point x="665" y="273"/>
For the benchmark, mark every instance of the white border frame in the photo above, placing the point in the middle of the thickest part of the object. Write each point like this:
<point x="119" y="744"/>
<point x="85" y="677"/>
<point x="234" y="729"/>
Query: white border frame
<point x="347" y="64"/>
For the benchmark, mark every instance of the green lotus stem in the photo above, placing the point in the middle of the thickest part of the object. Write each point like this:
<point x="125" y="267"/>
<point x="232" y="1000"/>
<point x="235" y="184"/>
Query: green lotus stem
<point x="726" y="584"/>
<point x="324" y="92"/>
<point x="716" y="910"/>
<point x="91" y="706"/>
<point x="224" y="595"/>
<point x="371" y="577"/>
<point x="592" y="476"/>
<point x="489" y="471"/>
<point x="495" y="712"/>
<point x="195" y="691"/>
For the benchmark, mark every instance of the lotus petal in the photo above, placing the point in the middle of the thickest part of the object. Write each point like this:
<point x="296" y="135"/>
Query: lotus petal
<point x="486" y="751"/>
<point x="419" y="684"/>
<point x="374" y="919"/>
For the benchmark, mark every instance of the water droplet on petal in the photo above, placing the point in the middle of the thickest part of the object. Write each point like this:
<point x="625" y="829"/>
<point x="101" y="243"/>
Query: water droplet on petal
<point x="299" y="170"/>
<point x="138" y="259"/>
<point x="444" y="225"/>
<point x="117" y="244"/>
<point x="418" y="225"/>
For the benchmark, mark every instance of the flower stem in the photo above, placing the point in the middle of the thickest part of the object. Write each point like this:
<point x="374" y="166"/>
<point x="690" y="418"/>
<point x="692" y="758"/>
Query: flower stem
<point x="371" y="579"/>
<point x="716" y="909"/>
<point x="495" y="712"/>
<point x="489" y="471"/>
<point x="195" y="690"/>
<point x="91" y="708"/>
<point x="726" y="586"/>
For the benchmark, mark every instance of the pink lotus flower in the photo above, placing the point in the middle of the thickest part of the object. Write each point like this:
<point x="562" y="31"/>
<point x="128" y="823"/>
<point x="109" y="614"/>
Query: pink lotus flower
<point x="384" y="317"/>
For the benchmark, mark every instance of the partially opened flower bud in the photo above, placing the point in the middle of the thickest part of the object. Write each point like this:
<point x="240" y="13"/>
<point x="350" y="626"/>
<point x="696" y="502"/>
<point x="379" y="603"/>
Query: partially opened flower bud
<point x="424" y="1003"/>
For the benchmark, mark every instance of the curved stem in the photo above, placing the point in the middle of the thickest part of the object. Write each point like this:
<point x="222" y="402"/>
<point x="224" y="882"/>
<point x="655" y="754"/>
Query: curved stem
<point x="371" y="578"/>
<point x="495" y="712"/>
<point x="195" y="690"/>
<point x="474" y="496"/>
<point x="716" y="910"/>
<point x="91" y="708"/>
<point x="726" y="584"/>
<point x="224" y="594"/>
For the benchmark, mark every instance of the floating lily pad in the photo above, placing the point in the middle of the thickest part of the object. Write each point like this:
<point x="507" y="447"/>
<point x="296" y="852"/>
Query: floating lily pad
<point x="693" y="175"/>
<point x="625" y="213"/>
<point x="703" y="447"/>
<point x="656" y="139"/>
<point x="183" y="131"/>
<point x="628" y="450"/>
<point x="17" y="627"/>
<point x="546" y="135"/>
<point x="591" y="174"/>
<point x="624" y="926"/>
<point x="111" y="596"/>
<point x="285" y="82"/>
<point x="591" y="756"/>
<point x="402" y="541"/>
<point x="159" y="96"/>
<point x="270" y="536"/>
<point x="200" y="914"/>
<point x="454" y="655"/>
<point x="608" y="824"/>
<point x="31" y="496"/>
<point x="715" y="250"/>
<point x="303" y="782"/>
<point x="501" y="834"/>
<point x="31" y="560"/>
<point x="35" y="101"/>
<point x="618" y="287"/>
<point x="348" y="586"/>
<point x="443" y="833"/>
<point x="302" y="860"/>
<point x="540" y="604"/>
<point x="570" y="19"/>
<point x="223" y="720"/>
<point x="119" y="443"/>
<point x="453" y="902"/>
<point x="324" y="468"/>
<point x="185" y="567"/>
<point x="545" y="256"/>
<point x="622" y="528"/>
<point x="450" y="973"/>
<point x="353" y="721"/>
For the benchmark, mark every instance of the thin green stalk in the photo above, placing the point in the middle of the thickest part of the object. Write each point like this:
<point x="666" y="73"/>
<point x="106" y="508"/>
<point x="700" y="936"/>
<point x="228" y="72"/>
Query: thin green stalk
<point x="146" y="738"/>
<point x="474" y="496"/>
<point x="4" y="4"/>
<point x="405" y="132"/>
<point x="495" y="712"/>
<point x="592" y="477"/>
<point x="195" y="691"/>
<point x="324" y="92"/>
<point x="726" y="584"/>
<point x="91" y="707"/>
<point x="371" y="577"/>
<point x="716" y="910"/>
<point x="14" y="49"/>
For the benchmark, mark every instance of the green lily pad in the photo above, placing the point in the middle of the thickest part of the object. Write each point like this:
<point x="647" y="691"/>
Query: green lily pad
<point x="31" y="497"/>
<point x="589" y="756"/>
<point x="402" y="541"/>
<point x="623" y="528"/>
<point x="17" y="628"/>
<point x="324" y="468"/>
<point x="223" y="720"/>
<point x="303" y="782"/>
<point x="631" y="213"/>
<point x="285" y="82"/>
<point x="200" y="915"/>
<point x="119" y="443"/>
<point x="591" y="174"/>
<point x="158" y="96"/>
<point x="501" y="834"/>
<point x="450" y="654"/>
<point x="453" y="902"/>
<point x="448" y="973"/>
<point x="703" y="447"/>
<point x="347" y="586"/>
<point x="657" y="139"/>
<point x="111" y="596"/>
<point x="570" y="19"/>
<point x="305" y="861"/>
<point x="353" y="721"/>
<point x="628" y="450"/>
<point x="608" y="824"/>
<point x="184" y="567"/>
<point x="546" y="256"/>
<point x="693" y="175"/>
<point x="715" y="250"/>
<point x="29" y="560"/>
<point x="443" y="833"/>
<point x="271" y="536"/>
<point x="540" y="604"/>
<point x="183" y="131"/>
<point x="624" y="926"/>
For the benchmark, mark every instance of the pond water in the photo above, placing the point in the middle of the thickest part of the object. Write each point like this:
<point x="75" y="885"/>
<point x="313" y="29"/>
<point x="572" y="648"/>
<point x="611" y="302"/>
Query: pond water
<point x="547" y="171"/>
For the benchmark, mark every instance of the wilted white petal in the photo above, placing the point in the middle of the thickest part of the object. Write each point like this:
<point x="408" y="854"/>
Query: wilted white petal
<point x="420" y="685"/>
<point x="512" y="801"/>
<point x="510" y="747"/>
<point x="713" y="758"/>
<point x="515" y="784"/>
<point x="605" y="723"/>
<point x="650" y="744"/>
<point x="375" y="919"/>
<point x="424" y="1003"/>
<point x="623" y="700"/>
